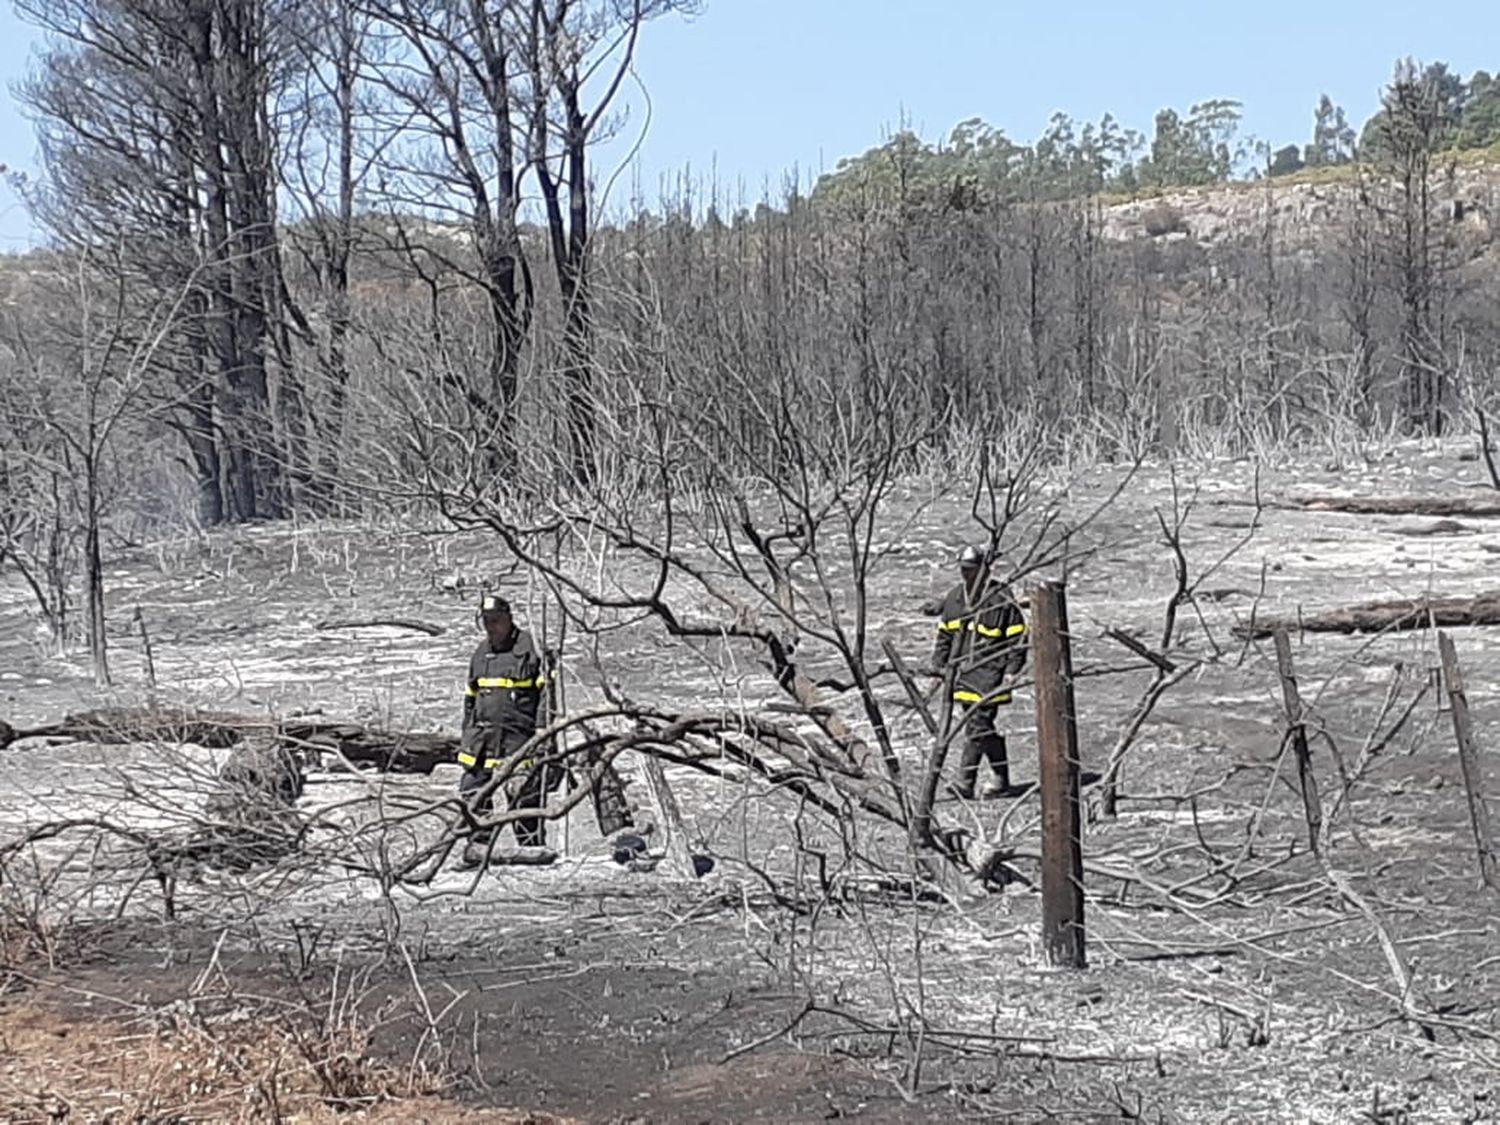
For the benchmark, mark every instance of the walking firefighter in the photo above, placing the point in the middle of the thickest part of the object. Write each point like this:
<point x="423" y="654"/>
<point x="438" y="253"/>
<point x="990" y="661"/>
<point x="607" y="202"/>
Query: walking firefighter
<point x="502" y="709"/>
<point x="981" y="644"/>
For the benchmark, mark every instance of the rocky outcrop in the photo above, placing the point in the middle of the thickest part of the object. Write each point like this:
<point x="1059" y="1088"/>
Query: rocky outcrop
<point x="1466" y="204"/>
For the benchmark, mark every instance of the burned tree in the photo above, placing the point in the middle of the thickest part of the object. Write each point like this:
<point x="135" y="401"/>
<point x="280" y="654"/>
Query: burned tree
<point x="323" y="167"/>
<point x="744" y="528"/>
<point x="82" y="390"/>
<point x="570" y="48"/>
<point x="453" y="158"/>
<point x="1411" y="129"/>
<point x="165" y="150"/>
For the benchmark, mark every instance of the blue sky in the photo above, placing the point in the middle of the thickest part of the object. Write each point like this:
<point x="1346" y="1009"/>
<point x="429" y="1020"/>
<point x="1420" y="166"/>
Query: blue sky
<point x="750" y="89"/>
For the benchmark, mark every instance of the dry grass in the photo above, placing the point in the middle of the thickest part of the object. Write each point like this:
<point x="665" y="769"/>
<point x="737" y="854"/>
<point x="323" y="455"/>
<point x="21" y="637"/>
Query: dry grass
<point x="237" y="1069"/>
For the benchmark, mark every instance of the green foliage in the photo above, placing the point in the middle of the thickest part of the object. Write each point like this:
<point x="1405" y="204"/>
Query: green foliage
<point x="1285" y="161"/>
<point x="1202" y="149"/>
<point x="1479" y="120"/>
<point x="1333" y="137"/>
<point x="1082" y="160"/>
<point x="1458" y="114"/>
<point x="979" y="164"/>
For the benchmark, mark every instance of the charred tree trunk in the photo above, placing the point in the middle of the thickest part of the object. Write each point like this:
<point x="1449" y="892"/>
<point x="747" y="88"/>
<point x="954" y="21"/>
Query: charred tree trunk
<point x="338" y="248"/>
<point x="570" y="242"/>
<point x="1358" y="302"/>
<point x="194" y="419"/>
<point x="254" y="264"/>
<point x="196" y="416"/>
<point x="559" y="61"/>
<point x="460" y="97"/>
<point x="93" y="562"/>
<point x="225" y="58"/>
<point x="236" y="466"/>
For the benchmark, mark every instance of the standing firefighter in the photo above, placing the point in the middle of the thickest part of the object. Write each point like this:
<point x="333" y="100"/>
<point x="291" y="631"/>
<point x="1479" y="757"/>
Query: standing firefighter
<point x="981" y="643"/>
<point x="501" y="704"/>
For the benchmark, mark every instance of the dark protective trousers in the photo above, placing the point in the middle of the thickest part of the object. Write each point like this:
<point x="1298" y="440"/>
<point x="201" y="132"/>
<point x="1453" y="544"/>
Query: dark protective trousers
<point x="524" y="789"/>
<point x="982" y="742"/>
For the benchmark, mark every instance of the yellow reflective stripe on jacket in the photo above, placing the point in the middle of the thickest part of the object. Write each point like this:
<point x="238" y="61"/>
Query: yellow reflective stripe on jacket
<point x="1009" y="631"/>
<point x="493" y="763"/>
<point x="982" y="630"/>
<point x="507" y="682"/>
<point x="964" y="695"/>
<point x="469" y="691"/>
<point x="467" y="759"/>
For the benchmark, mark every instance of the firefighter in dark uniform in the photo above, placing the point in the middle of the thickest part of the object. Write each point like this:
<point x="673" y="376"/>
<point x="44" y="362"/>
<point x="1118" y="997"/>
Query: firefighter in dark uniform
<point x="502" y="701"/>
<point x="982" y="640"/>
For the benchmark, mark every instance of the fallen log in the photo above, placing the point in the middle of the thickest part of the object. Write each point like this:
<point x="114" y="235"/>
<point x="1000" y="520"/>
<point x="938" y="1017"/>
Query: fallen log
<point x="111" y="726"/>
<point x="385" y="623"/>
<point x="508" y="855"/>
<point x="1437" y="527"/>
<point x="1382" y="616"/>
<point x="392" y="751"/>
<point x="1401" y="505"/>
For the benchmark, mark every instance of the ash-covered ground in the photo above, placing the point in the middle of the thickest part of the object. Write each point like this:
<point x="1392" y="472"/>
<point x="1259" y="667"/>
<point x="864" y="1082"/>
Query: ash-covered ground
<point x="1230" y="977"/>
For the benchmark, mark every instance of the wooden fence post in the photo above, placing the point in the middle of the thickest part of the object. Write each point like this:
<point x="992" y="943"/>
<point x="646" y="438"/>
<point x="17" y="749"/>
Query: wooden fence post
<point x="1312" y="805"/>
<point x="1468" y="761"/>
<point x="1057" y="746"/>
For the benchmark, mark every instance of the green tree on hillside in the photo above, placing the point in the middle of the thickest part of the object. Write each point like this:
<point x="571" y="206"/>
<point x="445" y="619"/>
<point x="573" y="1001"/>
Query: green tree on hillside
<point x="1070" y="159"/>
<point x="904" y="170"/>
<point x="1284" y="161"/>
<point x="1333" y="136"/>
<point x="979" y="162"/>
<point x="1479" y="121"/>
<point x="1201" y="149"/>
<point x="1441" y="92"/>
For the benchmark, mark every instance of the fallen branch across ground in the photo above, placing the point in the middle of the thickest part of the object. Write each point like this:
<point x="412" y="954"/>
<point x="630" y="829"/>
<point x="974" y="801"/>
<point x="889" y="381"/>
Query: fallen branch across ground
<point x="394" y="751"/>
<point x="1382" y="616"/>
<point x="385" y="623"/>
<point x="1400" y="505"/>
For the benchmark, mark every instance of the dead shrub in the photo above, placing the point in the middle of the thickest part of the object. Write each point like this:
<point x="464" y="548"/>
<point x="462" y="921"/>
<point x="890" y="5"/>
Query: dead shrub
<point x="188" y="1065"/>
<point x="1163" y="219"/>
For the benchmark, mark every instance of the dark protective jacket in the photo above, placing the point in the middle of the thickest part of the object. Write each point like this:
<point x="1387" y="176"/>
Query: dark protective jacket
<point x="984" y="635"/>
<point x="501" y="700"/>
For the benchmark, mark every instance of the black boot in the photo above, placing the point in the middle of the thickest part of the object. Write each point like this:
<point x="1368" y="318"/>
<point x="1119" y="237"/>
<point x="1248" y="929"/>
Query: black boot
<point x="476" y="852"/>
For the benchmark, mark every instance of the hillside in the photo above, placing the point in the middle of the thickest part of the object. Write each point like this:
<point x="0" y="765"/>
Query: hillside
<point x="1307" y="209"/>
